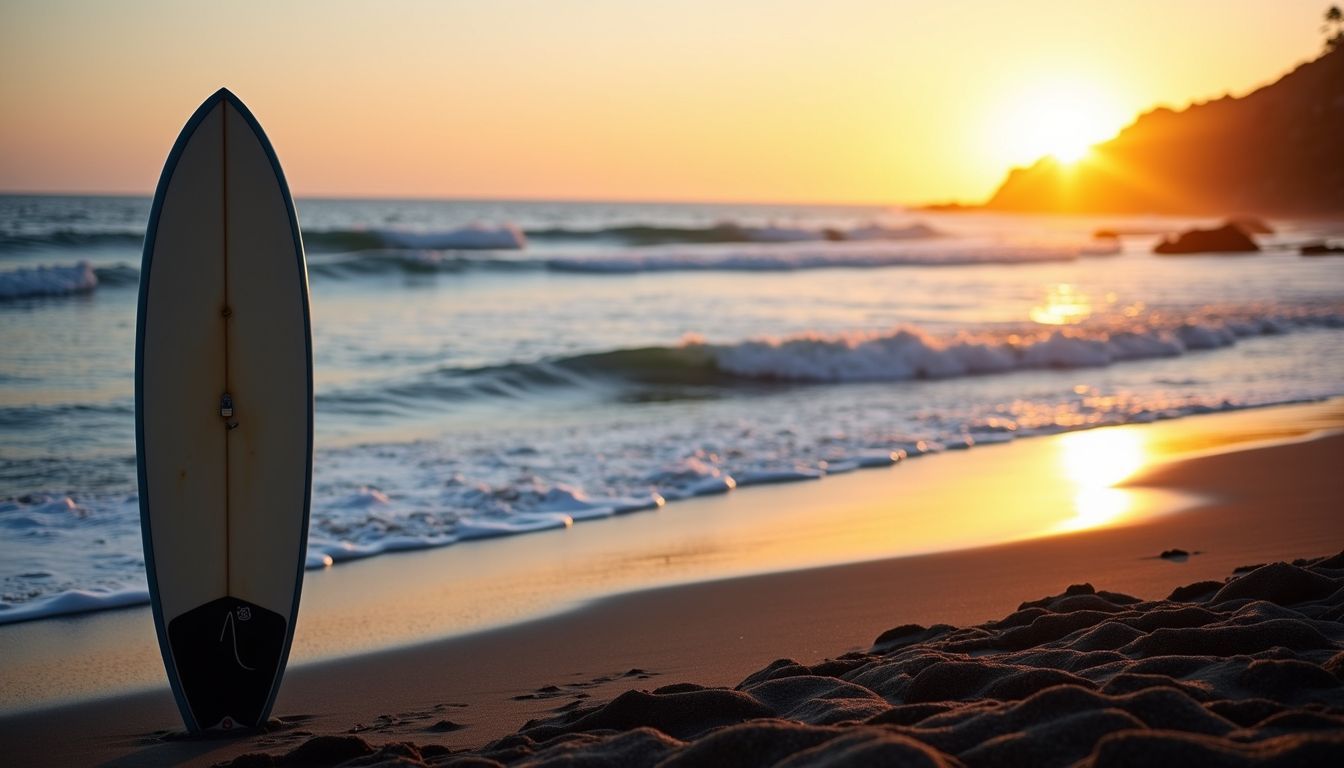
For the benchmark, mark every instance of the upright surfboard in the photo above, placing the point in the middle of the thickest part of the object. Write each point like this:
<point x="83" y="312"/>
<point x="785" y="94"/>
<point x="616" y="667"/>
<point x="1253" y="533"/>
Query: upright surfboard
<point x="224" y="416"/>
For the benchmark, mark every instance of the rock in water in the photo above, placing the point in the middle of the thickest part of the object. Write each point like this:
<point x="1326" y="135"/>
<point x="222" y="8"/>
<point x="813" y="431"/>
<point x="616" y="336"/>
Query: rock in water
<point x="1321" y="249"/>
<point x="1225" y="239"/>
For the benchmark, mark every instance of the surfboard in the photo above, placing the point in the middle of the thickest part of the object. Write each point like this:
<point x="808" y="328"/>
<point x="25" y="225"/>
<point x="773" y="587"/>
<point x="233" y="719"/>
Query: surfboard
<point x="224" y="416"/>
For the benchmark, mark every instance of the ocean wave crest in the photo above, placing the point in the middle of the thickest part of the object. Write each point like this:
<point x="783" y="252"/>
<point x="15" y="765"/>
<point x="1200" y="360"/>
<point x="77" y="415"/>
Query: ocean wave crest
<point x="871" y="254"/>
<point x="70" y="238"/>
<point x="753" y="257"/>
<point x="471" y="238"/>
<point x="695" y="367"/>
<point x="507" y="237"/>
<point x="63" y="280"/>
<point x="33" y="282"/>
<point x="911" y="353"/>
<point x="731" y="232"/>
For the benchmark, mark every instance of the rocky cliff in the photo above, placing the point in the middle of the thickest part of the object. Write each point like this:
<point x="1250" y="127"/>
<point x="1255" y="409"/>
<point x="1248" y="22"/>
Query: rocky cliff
<point x="1278" y="150"/>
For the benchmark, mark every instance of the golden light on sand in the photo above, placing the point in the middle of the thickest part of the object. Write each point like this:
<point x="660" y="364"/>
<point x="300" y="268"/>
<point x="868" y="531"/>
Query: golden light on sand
<point x="1095" y="461"/>
<point x="1061" y="119"/>
<point x="1064" y="305"/>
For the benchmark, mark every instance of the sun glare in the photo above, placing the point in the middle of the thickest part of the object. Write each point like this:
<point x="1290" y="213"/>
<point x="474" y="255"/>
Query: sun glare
<point x="1064" y="305"/>
<point x="1095" y="461"/>
<point x="1061" y="120"/>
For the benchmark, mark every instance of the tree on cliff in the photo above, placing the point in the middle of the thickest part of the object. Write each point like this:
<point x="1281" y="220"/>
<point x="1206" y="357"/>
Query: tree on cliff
<point x="1333" y="28"/>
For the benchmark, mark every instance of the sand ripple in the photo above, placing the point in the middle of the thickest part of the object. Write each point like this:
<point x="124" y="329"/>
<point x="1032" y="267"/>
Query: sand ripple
<point x="1244" y="673"/>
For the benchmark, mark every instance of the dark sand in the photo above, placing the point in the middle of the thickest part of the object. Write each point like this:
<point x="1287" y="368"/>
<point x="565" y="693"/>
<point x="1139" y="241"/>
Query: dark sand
<point x="1247" y="672"/>
<point x="1274" y="643"/>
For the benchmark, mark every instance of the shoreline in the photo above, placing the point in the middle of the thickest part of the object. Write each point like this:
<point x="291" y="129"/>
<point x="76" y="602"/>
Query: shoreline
<point x="502" y="674"/>
<point x="85" y="603"/>
<point x="406" y="599"/>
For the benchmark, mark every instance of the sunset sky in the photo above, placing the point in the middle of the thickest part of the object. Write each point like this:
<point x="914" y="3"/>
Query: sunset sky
<point x="774" y="100"/>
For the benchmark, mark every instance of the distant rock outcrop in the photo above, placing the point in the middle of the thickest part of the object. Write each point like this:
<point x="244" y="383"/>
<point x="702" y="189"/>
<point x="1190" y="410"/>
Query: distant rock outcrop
<point x="1277" y="150"/>
<point x="1321" y="249"/>
<point x="1228" y="238"/>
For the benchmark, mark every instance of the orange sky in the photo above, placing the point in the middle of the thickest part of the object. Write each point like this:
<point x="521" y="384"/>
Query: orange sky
<point x="843" y="100"/>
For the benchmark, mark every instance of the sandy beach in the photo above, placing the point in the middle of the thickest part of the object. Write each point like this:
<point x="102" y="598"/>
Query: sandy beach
<point x="1267" y="487"/>
<point x="672" y="384"/>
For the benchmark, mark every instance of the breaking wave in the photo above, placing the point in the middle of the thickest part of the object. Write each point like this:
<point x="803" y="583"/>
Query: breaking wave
<point x="505" y="237"/>
<point x="895" y="355"/>
<point x="63" y="280"/>
<point x="731" y="232"/>
<point x="32" y="282"/>
<point x="759" y="258"/>
<point x="473" y="238"/>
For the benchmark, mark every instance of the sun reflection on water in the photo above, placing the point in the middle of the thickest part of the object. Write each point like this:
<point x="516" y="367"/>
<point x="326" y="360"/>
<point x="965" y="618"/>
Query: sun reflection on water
<point x="1064" y="305"/>
<point x="1095" y="461"/>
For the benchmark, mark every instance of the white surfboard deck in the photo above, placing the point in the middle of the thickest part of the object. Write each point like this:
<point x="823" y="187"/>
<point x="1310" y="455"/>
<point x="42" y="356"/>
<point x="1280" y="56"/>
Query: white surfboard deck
<point x="224" y="499"/>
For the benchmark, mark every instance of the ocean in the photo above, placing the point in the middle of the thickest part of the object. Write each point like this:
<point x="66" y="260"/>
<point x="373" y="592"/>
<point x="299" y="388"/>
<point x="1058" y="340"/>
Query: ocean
<point x="491" y="368"/>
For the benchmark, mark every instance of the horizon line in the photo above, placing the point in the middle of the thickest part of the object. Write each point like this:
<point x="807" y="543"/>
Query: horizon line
<point x="503" y="199"/>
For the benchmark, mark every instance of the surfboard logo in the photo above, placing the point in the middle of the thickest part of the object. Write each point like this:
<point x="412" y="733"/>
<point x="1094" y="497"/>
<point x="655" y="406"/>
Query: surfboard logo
<point x="233" y="633"/>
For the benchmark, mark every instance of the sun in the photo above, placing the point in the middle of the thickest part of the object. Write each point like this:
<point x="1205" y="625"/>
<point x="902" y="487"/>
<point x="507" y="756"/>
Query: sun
<point x="1061" y="119"/>
<point x="1062" y="132"/>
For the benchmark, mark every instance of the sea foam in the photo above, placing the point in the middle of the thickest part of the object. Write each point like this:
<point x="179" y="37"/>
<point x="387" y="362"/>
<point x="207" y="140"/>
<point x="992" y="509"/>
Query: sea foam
<point x="506" y="237"/>
<point x="71" y="602"/>
<point x="911" y="353"/>
<point x="777" y="258"/>
<point x="897" y="354"/>
<point x="730" y="232"/>
<point x="30" y="282"/>
<point x="496" y="236"/>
